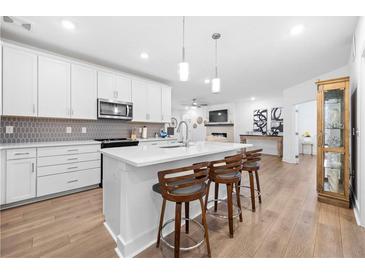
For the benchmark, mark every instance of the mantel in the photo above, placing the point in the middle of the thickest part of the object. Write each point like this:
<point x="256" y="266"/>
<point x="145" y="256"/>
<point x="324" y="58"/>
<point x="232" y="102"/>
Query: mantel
<point x="219" y="124"/>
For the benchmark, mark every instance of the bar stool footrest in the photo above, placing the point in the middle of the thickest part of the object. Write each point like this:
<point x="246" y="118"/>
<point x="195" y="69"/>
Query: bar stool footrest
<point x="211" y="212"/>
<point x="201" y="227"/>
<point x="258" y="193"/>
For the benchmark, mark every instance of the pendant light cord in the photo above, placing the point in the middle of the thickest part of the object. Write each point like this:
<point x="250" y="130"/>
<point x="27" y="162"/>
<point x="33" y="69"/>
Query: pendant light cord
<point x="183" y="40"/>
<point x="216" y="58"/>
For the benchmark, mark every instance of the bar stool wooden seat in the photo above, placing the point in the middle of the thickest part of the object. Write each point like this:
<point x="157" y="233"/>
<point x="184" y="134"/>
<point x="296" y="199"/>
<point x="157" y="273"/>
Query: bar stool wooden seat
<point x="251" y="164"/>
<point x="183" y="185"/>
<point x="228" y="172"/>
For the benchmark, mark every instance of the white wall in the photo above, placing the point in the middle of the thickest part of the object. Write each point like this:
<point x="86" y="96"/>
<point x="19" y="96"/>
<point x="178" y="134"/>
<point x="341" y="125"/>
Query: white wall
<point x="298" y="94"/>
<point x="307" y="121"/>
<point x="191" y="115"/>
<point x="357" y="81"/>
<point x="244" y="120"/>
<point x="196" y="134"/>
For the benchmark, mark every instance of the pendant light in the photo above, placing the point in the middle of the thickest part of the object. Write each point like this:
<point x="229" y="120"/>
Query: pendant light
<point x="183" y="67"/>
<point x="216" y="81"/>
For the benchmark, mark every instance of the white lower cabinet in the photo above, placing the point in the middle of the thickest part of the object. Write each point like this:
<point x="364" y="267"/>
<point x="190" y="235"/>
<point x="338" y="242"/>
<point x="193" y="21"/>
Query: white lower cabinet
<point x="67" y="167"/>
<point x="67" y="181"/>
<point x="20" y="178"/>
<point x="28" y="173"/>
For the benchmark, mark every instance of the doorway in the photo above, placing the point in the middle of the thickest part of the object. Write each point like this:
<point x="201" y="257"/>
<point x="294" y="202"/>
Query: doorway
<point x="306" y="129"/>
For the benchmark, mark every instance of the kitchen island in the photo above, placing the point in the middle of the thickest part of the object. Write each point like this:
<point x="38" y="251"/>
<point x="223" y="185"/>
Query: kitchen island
<point x="131" y="208"/>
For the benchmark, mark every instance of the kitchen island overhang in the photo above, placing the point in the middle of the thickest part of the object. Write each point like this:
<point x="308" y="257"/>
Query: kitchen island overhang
<point x="130" y="207"/>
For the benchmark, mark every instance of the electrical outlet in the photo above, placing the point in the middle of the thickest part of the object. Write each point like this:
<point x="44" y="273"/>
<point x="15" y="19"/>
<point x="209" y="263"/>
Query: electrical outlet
<point x="68" y="129"/>
<point x="83" y="130"/>
<point x="9" y="129"/>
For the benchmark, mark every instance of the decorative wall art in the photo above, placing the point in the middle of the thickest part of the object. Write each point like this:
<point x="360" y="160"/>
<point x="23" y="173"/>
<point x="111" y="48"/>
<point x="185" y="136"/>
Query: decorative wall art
<point x="277" y="121"/>
<point x="260" y="121"/>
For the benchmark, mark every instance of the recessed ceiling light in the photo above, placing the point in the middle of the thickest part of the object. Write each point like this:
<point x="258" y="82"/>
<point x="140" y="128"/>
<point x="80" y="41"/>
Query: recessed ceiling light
<point x="67" y="24"/>
<point x="298" y="29"/>
<point x="144" y="55"/>
<point x="253" y="98"/>
<point x="207" y="81"/>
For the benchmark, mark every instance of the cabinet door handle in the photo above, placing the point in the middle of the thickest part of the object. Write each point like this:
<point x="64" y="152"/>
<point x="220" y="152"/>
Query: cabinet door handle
<point x="72" y="159"/>
<point x="72" y="181"/>
<point x="21" y="153"/>
<point x="32" y="167"/>
<point x="72" y="167"/>
<point x="70" y="150"/>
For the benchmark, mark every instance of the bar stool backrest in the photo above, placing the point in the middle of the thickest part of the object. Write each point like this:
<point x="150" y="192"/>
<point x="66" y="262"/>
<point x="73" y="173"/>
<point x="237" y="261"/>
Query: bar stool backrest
<point x="229" y="165"/>
<point x="252" y="156"/>
<point x="178" y="179"/>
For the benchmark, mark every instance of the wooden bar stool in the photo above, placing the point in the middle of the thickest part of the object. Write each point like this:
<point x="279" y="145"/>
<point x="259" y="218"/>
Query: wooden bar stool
<point x="251" y="164"/>
<point x="183" y="185"/>
<point x="228" y="172"/>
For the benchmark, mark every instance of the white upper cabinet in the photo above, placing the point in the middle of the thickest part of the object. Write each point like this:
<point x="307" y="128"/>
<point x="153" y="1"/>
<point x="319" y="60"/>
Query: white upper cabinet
<point x="53" y="88"/>
<point x="123" y="86"/>
<point x="154" y="113"/>
<point x="19" y="82"/>
<point x="43" y="85"/>
<point x="139" y="99"/>
<point x="113" y="86"/>
<point x="83" y="92"/>
<point x="106" y="85"/>
<point x="166" y="104"/>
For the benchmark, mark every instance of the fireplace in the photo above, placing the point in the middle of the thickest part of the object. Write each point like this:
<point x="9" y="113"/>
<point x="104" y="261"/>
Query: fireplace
<point x="220" y="134"/>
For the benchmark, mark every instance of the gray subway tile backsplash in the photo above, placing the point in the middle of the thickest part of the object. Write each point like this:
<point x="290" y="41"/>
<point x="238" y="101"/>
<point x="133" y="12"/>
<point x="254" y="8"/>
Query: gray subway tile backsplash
<point x="34" y="129"/>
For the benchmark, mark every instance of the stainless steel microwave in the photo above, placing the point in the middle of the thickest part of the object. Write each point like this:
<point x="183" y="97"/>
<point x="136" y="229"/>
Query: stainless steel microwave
<point x="113" y="109"/>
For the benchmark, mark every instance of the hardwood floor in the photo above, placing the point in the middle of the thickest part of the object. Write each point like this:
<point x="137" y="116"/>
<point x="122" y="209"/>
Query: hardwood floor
<point x="289" y="223"/>
<point x="70" y="226"/>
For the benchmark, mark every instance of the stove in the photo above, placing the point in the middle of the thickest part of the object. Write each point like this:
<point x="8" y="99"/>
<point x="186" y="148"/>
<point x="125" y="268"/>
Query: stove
<point x="114" y="142"/>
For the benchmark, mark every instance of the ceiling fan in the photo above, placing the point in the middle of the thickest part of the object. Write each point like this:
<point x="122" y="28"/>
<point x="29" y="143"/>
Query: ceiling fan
<point x="195" y="104"/>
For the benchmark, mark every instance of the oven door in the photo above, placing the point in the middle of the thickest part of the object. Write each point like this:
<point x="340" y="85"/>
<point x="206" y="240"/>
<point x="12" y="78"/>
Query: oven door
<point x="114" y="109"/>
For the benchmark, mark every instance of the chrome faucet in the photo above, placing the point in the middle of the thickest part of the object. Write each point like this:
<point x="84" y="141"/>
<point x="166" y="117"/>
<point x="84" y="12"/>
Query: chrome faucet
<point x="186" y="143"/>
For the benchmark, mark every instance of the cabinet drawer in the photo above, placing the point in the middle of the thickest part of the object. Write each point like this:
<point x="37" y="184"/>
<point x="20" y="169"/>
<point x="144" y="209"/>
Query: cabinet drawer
<point x="67" y="181"/>
<point x="66" y="150"/>
<point x="66" y="159"/>
<point x="49" y="170"/>
<point x="23" y="153"/>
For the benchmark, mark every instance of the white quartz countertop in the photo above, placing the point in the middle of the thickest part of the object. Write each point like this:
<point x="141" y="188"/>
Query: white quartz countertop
<point x="47" y="144"/>
<point x="140" y="156"/>
<point x="157" y="139"/>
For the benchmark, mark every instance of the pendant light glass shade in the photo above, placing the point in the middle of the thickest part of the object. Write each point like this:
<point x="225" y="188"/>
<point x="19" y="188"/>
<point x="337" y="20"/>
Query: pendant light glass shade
<point x="183" y="66"/>
<point x="183" y="69"/>
<point x="216" y="85"/>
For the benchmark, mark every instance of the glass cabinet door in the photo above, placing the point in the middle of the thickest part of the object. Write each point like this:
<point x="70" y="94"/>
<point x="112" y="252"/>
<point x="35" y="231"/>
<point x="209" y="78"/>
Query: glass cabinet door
<point x="333" y="118"/>
<point x="333" y="172"/>
<point x="333" y="140"/>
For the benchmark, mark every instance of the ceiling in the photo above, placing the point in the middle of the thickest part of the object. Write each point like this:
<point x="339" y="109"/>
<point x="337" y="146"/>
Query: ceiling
<point x="257" y="55"/>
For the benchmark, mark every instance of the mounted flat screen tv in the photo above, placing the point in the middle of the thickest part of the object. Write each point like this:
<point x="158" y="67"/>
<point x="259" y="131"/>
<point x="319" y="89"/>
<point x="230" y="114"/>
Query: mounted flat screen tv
<point x="218" y="116"/>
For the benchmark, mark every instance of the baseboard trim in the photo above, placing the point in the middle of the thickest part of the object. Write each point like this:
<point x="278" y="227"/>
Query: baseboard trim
<point x="357" y="216"/>
<point x="110" y="232"/>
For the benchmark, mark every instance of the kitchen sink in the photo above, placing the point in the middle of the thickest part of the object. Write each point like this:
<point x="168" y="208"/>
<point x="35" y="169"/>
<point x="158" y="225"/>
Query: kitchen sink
<point x="173" y="146"/>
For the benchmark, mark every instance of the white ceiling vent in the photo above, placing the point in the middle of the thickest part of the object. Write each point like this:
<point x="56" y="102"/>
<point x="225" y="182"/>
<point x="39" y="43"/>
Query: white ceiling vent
<point x="17" y="22"/>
